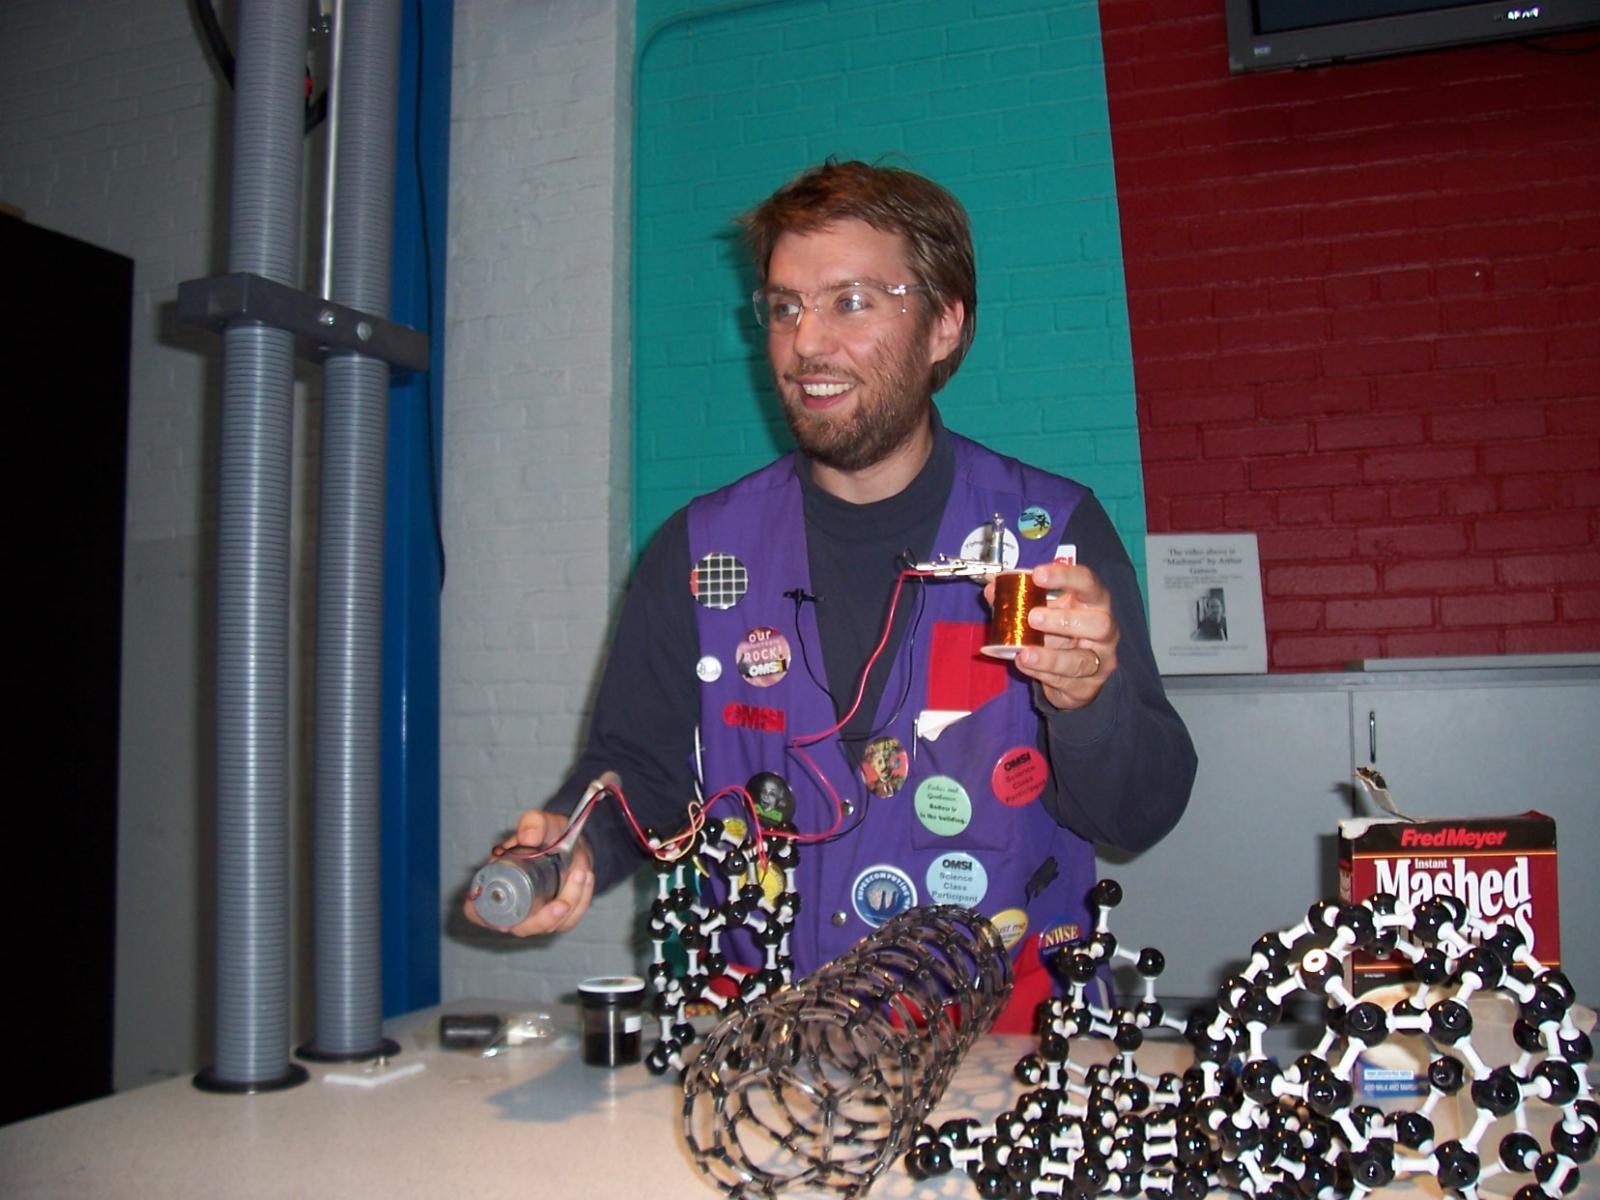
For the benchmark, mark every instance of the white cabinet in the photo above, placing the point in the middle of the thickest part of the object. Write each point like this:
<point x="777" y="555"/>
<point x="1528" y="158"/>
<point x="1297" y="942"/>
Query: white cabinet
<point x="1258" y="845"/>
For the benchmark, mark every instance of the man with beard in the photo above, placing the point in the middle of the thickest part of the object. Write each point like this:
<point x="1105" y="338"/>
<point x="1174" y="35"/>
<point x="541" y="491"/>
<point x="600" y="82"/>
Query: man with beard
<point x="918" y="770"/>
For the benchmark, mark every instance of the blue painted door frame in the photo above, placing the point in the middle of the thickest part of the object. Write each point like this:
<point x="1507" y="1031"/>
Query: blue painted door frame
<point x="413" y="546"/>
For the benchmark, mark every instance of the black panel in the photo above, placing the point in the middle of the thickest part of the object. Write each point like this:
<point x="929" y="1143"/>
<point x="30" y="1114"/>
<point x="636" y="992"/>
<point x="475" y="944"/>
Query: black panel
<point x="64" y="325"/>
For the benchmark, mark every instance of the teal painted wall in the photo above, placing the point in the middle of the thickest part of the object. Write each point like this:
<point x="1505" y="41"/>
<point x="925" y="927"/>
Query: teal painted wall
<point x="1001" y="101"/>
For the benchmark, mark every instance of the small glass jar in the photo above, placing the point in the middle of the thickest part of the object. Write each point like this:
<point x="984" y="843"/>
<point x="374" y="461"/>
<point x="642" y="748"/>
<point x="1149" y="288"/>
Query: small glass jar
<point x="612" y="1019"/>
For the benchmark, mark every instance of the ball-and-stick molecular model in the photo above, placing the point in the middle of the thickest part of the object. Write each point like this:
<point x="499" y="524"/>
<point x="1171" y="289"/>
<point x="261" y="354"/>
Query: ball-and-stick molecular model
<point x="821" y="1085"/>
<point x="1238" y="1120"/>
<point x="753" y="892"/>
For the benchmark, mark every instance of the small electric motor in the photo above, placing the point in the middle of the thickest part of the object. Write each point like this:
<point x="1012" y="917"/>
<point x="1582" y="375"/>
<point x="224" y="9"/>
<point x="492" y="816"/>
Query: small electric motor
<point x="518" y="880"/>
<point x="506" y="890"/>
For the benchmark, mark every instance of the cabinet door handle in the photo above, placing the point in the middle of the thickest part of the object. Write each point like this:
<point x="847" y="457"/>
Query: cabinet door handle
<point x="1372" y="736"/>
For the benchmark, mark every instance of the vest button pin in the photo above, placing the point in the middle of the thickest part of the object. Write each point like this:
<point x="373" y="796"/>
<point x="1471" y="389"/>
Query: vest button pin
<point x="848" y="807"/>
<point x="839" y="918"/>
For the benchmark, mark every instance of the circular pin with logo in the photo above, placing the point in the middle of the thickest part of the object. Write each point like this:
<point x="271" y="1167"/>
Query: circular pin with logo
<point x="943" y="806"/>
<point x="1011" y="924"/>
<point x="709" y="668"/>
<point x="772" y="795"/>
<point x="957" y="878"/>
<point x="1034" y="522"/>
<point x="884" y="766"/>
<point x="882" y="892"/>
<point x="1019" y="777"/>
<point x="1058" y="937"/>
<point x="980" y="545"/>
<point x="762" y="656"/>
<point x="718" y="581"/>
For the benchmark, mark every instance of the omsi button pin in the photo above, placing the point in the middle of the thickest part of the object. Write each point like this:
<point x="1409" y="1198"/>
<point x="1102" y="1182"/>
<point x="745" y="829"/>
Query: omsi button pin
<point x="1019" y="777"/>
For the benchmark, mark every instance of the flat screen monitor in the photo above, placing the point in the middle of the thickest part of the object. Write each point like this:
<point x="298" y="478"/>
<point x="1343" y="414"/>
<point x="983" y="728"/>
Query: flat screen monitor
<point x="1264" y="35"/>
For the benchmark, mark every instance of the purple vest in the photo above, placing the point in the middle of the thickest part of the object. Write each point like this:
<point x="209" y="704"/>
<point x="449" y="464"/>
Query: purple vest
<point x="950" y="818"/>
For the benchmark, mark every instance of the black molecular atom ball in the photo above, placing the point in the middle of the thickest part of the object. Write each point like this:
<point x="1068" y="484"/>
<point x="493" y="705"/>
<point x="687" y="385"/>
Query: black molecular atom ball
<point x="1458" y="1166"/>
<point x="1519" y="1151"/>
<point x="1107" y="893"/>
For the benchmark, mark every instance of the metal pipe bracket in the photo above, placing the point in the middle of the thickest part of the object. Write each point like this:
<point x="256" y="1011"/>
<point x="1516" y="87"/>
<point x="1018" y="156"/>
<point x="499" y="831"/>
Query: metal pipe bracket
<point x="322" y="327"/>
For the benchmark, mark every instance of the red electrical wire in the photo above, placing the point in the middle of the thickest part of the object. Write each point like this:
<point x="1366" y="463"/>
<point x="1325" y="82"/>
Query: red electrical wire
<point x="799" y="743"/>
<point x="663" y="851"/>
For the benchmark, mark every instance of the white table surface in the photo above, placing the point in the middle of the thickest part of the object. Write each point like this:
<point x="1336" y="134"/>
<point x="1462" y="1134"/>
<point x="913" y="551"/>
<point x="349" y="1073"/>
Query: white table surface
<point x="531" y="1124"/>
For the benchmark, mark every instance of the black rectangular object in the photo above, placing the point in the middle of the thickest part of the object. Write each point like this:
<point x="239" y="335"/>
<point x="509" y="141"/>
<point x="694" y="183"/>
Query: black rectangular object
<point x="1266" y="35"/>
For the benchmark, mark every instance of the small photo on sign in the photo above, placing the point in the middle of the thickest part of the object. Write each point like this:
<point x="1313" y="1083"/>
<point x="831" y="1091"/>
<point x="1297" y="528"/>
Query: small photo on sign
<point x="1211" y="616"/>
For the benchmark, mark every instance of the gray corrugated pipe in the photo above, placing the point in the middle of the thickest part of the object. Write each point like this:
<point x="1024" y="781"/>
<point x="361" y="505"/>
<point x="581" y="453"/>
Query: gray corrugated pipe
<point x="252" y="860"/>
<point x="350" y="558"/>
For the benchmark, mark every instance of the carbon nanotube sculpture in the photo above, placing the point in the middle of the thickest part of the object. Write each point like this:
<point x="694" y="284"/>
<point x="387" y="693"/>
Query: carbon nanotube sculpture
<point x="821" y="1085"/>
<point x="1240" y="1120"/>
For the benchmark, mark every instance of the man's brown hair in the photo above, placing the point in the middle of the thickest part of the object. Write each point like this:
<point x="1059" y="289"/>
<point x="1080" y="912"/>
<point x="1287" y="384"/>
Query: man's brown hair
<point x="932" y="221"/>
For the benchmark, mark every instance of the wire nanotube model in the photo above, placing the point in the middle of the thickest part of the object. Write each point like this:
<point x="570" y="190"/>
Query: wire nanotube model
<point x="822" y="1085"/>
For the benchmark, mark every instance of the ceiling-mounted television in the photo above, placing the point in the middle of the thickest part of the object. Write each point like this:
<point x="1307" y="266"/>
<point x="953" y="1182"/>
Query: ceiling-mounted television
<point x="1264" y="35"/>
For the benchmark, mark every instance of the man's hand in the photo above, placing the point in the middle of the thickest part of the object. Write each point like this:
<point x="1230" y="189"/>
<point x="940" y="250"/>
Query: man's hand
<point x="1080" y="635"/>
<point x="537" y="828"/>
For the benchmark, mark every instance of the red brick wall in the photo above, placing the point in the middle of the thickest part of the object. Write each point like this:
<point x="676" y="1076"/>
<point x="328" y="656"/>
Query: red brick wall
<point x="1365" y="307"/>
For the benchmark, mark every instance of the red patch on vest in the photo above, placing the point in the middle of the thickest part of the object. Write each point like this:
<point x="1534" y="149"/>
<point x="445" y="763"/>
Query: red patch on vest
<point x="960" y="678"/>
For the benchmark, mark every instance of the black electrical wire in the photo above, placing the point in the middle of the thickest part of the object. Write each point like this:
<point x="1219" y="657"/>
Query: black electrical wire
<point x="427" y="291"/>
<point x="800" y="596"/>
<point x="217" y="42"/>
<point x="847" y="744"/>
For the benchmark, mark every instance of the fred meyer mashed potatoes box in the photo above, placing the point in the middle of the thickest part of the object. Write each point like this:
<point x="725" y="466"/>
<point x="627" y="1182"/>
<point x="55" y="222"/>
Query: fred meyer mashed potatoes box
<point x="1501" y="868"/>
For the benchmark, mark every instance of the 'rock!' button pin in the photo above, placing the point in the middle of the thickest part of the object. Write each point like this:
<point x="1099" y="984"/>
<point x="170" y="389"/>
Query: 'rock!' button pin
<point x="763" y="656"/>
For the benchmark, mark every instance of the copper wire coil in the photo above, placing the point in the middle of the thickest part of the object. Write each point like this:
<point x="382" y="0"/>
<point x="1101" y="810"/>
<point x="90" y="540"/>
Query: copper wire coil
<point x="1015" y="595"/>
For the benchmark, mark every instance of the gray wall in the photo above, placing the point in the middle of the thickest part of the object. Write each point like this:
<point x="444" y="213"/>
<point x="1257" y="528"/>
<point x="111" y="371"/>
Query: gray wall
<point x="114" y="129"/>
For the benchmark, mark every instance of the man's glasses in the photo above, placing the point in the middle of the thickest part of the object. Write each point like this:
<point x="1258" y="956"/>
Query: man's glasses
<point x="858" y="305"/>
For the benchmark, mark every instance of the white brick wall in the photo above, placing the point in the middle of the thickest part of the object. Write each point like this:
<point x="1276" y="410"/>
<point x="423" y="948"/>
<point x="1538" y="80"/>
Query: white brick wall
<point x="535" y="449"/>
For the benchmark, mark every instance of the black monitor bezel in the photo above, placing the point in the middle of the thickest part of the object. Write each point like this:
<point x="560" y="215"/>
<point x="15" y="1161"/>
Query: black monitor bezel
<point x="1402" y="33"/>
